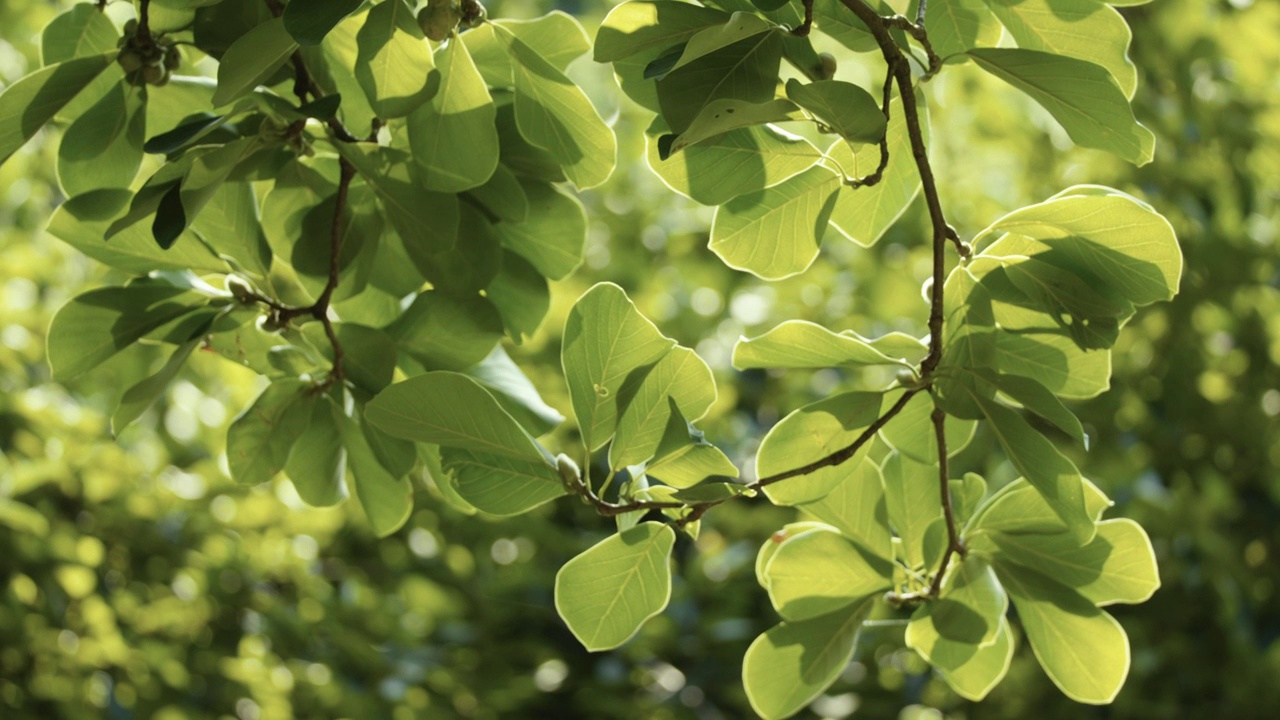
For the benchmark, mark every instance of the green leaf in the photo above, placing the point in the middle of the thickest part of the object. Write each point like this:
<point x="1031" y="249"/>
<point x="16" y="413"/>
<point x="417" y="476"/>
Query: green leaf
<point x="1081" y="96"/>
<point x="821" y="572"/>
<point x="803" y="345"/>
<point x="740" y="26"/>
<point x="770" y="546"/>
<point x="229" y="223"/>
<point x="503" y="195"/>
<point x="864" y="214"/>
<point x="394" y="65"/>
<point x="1089" y="316"/>
<point x="453" y="137"/>
<point x="835" y="20"/>
<point x="192" y="128"/>
<point x="913" y="503"/>
<point x="1117" y="566"/>
<point x="252" y="60"/>
<point x="1018" y="508"/>
<point x="1121" y="241"/>
<point x="992" y="326"/>
<point x="643" y="409"/>
<point x="138" y="398"/>
<point x="556" y="36"/>
<point x="502" y="486"/>
<point x="317" y="465"/>
<point x="332" y="66"/>
<point x="309" y="22"/>
<point x="689" y="465"/>
<point x="1084" y="650"/>
<point x="726" y="114"/>
<point x="1047" y="469"/>
<point x="856" y="507"/>
<point x="446" y="332"/>
<point x="29" y="103"/>
<point x="451" y="410"/>
<point x="387" y="500"/>
<point x="955" y="26"/>
<point x="737" y="162"/>
<point x="646" y="26"/>
<point x="521" y="295"/>
<point x="1086" y="30"/>
<point x="369" y="354"/>
<point x="427" y="222"/>
<point x="81" y="31"/>
<point x="606" y="593"/>
<point x="1036" y="398"/>
<point x="260" y="439"/>
<point x="912" y="433"/>
<point x="553" y="235"/>
<point x="812" y="432"/>
<point x="208" y="172"/>
<point x="847" y="109"/>
<point x="554" y="114"/>
<point x="968" y="612"/>
<point x="82" y="222"/>
<point x="746" y="70"/>
<point x="97" y="324"/>
<point x="605" y="339"/>
<point x="515" y="392"/>
<point x="972" y="670"/>
<point x="790" y="665"/>
<point x="966" y="495"/>
<point x="684" y="458"/>
<point x="775" y="233"/>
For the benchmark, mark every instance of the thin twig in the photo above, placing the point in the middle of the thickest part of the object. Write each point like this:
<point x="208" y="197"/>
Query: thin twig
<point x="807" y="25"/>
<point x="697" y="510"/>
<point x="878" y="174"/>
<point x="954" y="545"/>
<point x="143" y="34"/>
<point x="917" y="31"/>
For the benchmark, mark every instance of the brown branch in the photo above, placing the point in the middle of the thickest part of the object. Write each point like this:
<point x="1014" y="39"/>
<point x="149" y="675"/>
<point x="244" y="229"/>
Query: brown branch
<point x="143" y="33"/>
<point x="954" y="544"/>
<point x="281" y="314"/>
<point x="807" y="25"/>
<point x="917" y="31"/>
<point x="697" y="510"/>
<point x="878" y="174"/>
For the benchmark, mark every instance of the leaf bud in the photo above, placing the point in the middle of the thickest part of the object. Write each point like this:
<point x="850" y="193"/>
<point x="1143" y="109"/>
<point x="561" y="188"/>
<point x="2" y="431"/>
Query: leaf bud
<point x="155" y="75"/>
<point x="439" y="18"/>
<point x="568" y="469"/>
<point x="130" y="60"/>
<point x="240" y="290"/>
<point x="827" y="66"/>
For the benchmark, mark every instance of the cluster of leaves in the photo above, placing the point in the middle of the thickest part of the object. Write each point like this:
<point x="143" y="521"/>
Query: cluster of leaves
<point x="246" y="193"/>
<point x="372" y="280"/>
<point x="1028" y="319"/>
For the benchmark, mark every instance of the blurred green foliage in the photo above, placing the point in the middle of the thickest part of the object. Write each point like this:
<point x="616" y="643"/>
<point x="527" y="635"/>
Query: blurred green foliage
<point x="136" y="581"/>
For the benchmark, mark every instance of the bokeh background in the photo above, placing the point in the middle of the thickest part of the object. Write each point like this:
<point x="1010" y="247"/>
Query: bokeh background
<point x="136" y="581"/>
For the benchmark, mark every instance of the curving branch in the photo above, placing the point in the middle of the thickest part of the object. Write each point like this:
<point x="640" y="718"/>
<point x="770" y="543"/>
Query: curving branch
<point x="305" y="87"/>
<point x="899" y="74"/>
